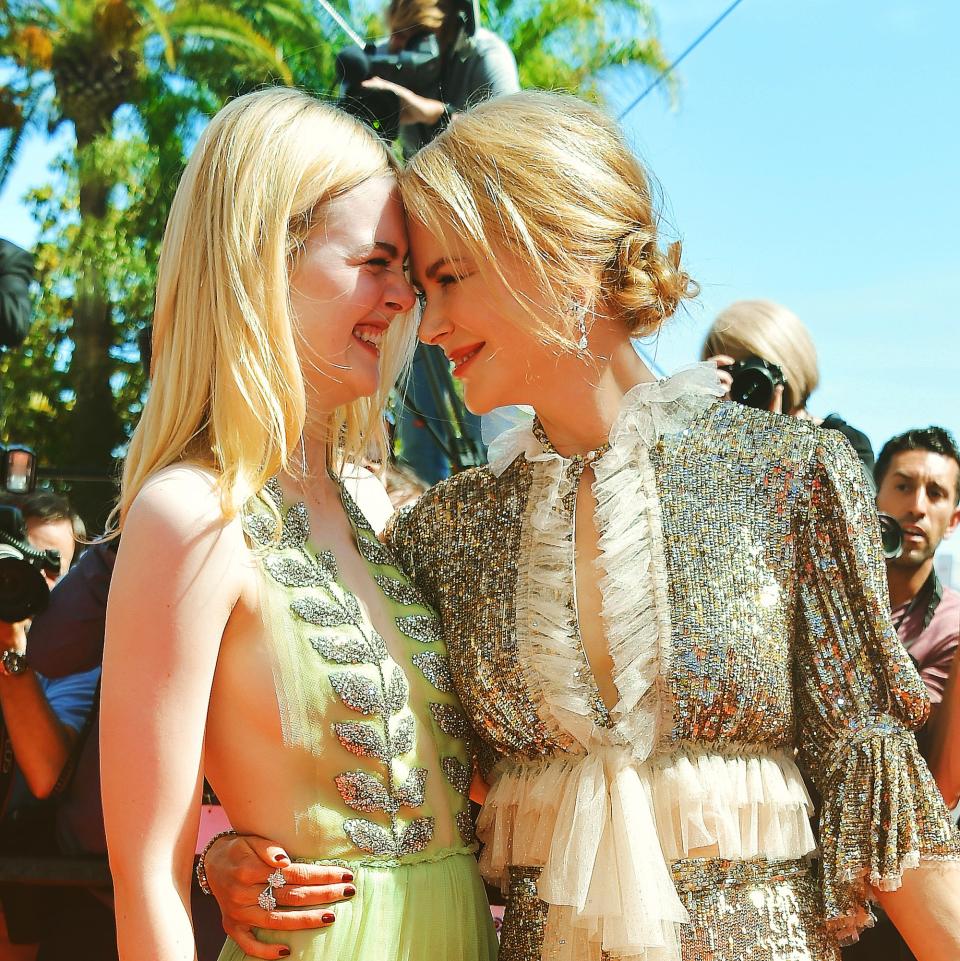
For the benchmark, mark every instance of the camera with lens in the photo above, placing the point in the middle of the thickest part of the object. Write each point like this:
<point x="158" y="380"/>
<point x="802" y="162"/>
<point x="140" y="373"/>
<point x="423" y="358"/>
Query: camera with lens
<point x="23" y="589"/>
<point x="416" y="67"/>
<point x="891" y="536"/>
<point x="754" y="381"/>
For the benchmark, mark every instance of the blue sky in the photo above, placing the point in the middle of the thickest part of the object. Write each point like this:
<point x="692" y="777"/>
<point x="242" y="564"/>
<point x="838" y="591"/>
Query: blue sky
<point x="813" y="159"/>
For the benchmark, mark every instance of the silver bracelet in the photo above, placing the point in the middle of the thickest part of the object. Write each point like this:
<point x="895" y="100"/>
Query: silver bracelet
<point x="202" y="860"/>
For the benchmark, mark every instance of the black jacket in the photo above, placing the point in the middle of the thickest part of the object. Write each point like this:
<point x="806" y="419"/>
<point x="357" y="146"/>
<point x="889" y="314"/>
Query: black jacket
<point x="16" y="310"/>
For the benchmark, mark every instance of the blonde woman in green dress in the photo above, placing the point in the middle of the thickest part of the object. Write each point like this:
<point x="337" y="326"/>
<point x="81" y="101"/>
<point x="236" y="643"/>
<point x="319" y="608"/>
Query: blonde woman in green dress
<point x="257" y="631"/>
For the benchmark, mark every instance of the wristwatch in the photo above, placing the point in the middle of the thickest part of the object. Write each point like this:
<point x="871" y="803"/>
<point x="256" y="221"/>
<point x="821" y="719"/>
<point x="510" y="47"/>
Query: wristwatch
<point x="12" y="663"/>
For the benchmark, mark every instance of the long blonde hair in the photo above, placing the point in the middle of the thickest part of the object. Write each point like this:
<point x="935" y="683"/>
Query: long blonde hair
<point x="227" y="387"/>
<point x="550" y="180"/>
<point x="766" y="329"/>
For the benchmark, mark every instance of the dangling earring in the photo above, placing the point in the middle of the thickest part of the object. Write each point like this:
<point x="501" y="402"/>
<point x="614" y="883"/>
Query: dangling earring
<point x="580" y="314"/>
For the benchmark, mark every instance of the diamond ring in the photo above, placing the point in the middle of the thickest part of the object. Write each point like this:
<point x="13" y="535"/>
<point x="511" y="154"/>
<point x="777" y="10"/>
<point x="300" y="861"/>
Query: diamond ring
<point x="266" y="900"/>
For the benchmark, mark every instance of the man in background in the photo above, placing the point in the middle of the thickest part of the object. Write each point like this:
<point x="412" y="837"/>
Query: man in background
<point x="918" y="483"/>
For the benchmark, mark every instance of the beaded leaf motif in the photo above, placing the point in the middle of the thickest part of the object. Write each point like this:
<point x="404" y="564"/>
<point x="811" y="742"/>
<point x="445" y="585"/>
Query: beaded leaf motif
<point x="379" y="693"/>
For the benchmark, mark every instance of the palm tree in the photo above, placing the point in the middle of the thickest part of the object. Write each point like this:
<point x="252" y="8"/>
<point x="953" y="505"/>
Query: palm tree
<point x="574" y="45"/>
<point x="165" y="63"/>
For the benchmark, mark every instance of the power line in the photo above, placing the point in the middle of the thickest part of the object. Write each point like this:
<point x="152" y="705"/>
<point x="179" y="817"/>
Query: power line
<point x="676" y="63"/>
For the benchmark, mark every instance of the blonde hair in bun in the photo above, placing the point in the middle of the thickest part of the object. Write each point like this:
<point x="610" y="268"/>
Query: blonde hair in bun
<point x="550" y="180"/>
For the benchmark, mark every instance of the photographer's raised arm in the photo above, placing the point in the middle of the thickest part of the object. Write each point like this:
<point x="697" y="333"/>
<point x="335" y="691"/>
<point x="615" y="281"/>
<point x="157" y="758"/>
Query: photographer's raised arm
<point x="40" y="740"/>
<point x="176" y="582"/>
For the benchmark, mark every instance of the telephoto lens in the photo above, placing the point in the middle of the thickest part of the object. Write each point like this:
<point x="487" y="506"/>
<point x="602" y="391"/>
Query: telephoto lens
<point x="23" y="589"/>
<point x="891" y="536"/>
<point x="754" y="381"/>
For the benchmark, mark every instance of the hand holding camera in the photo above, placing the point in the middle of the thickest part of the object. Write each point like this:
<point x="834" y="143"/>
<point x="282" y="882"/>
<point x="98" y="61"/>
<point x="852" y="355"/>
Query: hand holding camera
<point x="23" y="587"/>
<point x="753" y="382"/>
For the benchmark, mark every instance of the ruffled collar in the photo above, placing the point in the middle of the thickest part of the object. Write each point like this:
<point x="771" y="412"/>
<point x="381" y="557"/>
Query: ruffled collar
<point x="652" y="409"/>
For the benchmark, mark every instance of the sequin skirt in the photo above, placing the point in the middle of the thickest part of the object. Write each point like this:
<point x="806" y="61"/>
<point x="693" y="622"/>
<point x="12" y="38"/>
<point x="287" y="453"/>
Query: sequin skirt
<point x="755" y="910"/>
<point x="413" y="912"/>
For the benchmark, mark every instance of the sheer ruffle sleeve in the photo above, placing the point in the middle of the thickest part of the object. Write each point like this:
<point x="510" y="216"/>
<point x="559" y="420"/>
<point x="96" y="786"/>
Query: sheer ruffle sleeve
<point x="858" y="698"/>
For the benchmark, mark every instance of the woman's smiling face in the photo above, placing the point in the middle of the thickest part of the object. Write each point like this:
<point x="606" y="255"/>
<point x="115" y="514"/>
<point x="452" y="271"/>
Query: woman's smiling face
<point x="476" y="319"/>
<point x="347" y="287"/>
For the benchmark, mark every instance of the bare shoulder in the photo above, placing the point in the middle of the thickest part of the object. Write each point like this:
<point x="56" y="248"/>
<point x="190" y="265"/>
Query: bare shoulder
<point x="176" y="524"/>
<point x="182" y="500"/>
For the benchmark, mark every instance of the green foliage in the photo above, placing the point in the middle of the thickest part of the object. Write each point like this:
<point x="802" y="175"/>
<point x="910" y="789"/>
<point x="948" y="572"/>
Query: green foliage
<point x="37" y="387"/>
<point x="570" y="44"/>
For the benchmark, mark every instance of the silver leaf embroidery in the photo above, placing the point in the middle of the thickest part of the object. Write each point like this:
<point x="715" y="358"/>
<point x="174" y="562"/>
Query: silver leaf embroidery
<point x="342" y="651"/>
<point x="361" y="739"/>
<point x="369" y="837"/>
<point x="397" y="690"/>
<point x="435" y="668"/>
<point x="411" y="792"/>
<point x="373" y="551"/>
<point x="451" y="721"/>
<point x="353" y="512"/>
<point x="420" y="627"/>
<point x="292" y="573"/>
<point x="272" y="489"/>
<point x="397" y="590"/>
<point x="458" y="774"/>
<point x="261" y="528"/>
<point x="416" y="836"/>
<point x="314" y="610"/>
<point x="359" y="693"/>
<point x="364" y="792"/>
<point x="401" y="741"/>
<point x="327" y="562"/>
<point x="296" y="527"/>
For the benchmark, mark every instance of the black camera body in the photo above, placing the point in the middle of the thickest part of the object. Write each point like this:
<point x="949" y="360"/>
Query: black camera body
<point x="416" y="67"/>
<point x="23" y="589"/>
<point x="754" y="381"/>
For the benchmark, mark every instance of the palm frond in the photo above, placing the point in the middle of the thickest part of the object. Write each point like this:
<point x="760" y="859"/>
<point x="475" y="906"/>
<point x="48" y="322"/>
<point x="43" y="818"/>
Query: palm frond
<point x="207" y="21"/>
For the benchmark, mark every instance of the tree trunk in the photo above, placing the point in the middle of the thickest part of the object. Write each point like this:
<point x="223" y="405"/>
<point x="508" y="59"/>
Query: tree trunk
<point x="94" y="426"/>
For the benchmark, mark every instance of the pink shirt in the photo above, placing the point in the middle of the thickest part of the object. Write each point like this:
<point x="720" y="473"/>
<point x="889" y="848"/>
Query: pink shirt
<point x="932" y="647"/>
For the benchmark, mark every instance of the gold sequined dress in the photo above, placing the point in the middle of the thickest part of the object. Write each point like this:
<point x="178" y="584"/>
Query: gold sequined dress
<point x="745" y="606"/>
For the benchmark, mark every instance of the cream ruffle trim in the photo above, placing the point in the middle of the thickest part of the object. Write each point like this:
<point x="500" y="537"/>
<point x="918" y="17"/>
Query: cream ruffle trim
<point x="747" y="805"/>
<point x="602" y="825"/>
<point x="594" y="832"/>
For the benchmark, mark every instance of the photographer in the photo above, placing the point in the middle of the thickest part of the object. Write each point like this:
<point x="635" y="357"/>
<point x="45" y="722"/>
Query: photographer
<point x="41" y="717"/>
<point x="766" y="355"/>
<point x="42" y="720"/>
<point x="918" y="483"/>
<point x="16" y="274"/>
<point x="475" y="64"/>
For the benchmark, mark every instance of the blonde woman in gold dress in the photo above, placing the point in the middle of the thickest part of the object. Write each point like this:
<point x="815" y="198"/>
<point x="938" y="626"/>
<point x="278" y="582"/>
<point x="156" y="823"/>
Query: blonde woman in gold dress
<point x="665" y="613"/>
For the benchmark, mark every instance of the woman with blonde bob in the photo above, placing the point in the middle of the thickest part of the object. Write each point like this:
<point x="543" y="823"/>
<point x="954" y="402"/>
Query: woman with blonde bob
<point x="660" y="607"/>
<point x="257" y="630"/>
<point x="774" y="333"/>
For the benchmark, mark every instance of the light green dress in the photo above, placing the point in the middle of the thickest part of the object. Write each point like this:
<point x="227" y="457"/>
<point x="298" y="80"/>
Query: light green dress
<point x="383" y="743"/>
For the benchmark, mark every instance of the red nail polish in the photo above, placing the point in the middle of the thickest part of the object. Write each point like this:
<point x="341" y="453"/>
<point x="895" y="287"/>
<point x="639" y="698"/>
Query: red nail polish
<point x="280" y="858"/>
<point x="328" y="918"/>
<point x="347" y="877"/>
<point x="284" y="952"/>
<point x="349" y="891"/>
